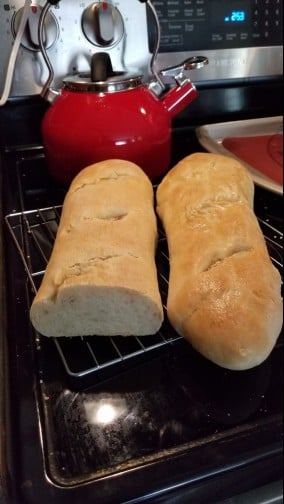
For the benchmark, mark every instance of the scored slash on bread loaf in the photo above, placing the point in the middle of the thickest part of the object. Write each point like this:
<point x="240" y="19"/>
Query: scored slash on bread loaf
<point x="224" y="293"/>
<point x="101" y="278"/>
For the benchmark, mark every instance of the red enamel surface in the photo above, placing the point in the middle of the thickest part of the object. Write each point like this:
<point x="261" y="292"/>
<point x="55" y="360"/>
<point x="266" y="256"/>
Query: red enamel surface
<point x="83" y="128"/>
<point x="264" y="153"/>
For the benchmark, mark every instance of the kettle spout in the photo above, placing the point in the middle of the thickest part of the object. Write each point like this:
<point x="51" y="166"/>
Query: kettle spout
<point x="178" y="98"/>
<point x="184" y="92"/>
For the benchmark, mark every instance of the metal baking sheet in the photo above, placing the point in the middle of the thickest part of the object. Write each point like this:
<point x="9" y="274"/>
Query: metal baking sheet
<point x="211" y="136"/>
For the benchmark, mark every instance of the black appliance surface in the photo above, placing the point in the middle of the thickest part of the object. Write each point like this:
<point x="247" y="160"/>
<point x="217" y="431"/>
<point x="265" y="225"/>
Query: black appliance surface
<point x="165" y="426"/>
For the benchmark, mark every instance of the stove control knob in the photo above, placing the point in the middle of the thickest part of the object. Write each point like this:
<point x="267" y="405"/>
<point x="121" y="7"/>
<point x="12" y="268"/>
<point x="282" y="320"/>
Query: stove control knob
<point x="30" y="36"/>
<point x="102" y="24"/>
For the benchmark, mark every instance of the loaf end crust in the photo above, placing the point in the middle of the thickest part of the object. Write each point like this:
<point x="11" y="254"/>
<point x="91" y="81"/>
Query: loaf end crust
<point x="101" y="278"/>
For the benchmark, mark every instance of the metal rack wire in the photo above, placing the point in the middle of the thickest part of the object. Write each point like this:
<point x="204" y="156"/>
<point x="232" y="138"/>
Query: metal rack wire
<point x="34" y="233"/>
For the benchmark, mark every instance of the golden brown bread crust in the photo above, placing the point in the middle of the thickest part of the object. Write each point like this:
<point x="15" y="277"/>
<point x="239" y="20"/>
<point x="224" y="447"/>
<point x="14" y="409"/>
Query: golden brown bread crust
<point x="224" y="292"/>
<point x="101" y="278"/>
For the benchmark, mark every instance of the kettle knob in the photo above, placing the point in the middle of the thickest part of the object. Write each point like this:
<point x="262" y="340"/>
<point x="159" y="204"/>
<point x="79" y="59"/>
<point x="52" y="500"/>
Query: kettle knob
<point x="101" y="67"/>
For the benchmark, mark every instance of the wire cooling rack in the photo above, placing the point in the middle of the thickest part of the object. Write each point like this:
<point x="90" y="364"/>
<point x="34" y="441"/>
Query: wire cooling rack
<point x="34" y="233"/>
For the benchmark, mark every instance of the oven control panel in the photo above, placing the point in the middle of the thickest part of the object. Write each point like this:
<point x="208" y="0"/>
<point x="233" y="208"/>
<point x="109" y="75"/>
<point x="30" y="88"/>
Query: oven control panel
<point x="242" y="39"/>
<point x="218" y="24"/>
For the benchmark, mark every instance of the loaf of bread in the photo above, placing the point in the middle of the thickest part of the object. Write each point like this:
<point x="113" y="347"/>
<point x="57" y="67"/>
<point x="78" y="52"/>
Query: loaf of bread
<point x="101" y="278"/>
<point x="224" y="292"/>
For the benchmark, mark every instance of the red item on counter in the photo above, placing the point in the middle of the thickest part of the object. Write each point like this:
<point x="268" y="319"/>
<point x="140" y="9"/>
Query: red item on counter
<point x="264" y="153"/>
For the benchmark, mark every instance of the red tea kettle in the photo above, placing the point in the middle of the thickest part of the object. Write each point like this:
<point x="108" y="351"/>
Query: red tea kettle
<point x="107" y="114"/>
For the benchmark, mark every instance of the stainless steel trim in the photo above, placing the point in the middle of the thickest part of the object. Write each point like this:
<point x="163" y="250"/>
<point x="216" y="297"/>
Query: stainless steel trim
<point x="245" y="63"/>
<point x="112" y="85"/>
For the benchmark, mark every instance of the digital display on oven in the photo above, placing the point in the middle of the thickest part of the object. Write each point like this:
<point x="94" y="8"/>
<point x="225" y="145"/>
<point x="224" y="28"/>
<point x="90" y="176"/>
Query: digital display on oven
<point x="230" y="14"/>
<point x="236" y="16"/>
<point x="234" y="13"/>
<point x="216" y="24"/>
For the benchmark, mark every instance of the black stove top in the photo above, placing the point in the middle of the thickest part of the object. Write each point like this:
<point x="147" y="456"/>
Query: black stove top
<point x="164" y="423"/>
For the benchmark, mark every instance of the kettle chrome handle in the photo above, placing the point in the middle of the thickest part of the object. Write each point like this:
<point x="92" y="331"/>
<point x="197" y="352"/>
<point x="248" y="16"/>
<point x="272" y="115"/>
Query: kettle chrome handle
<point x="178" y="71"/>
<point x="47" y="92"/>
<point x="159" y="82"/>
